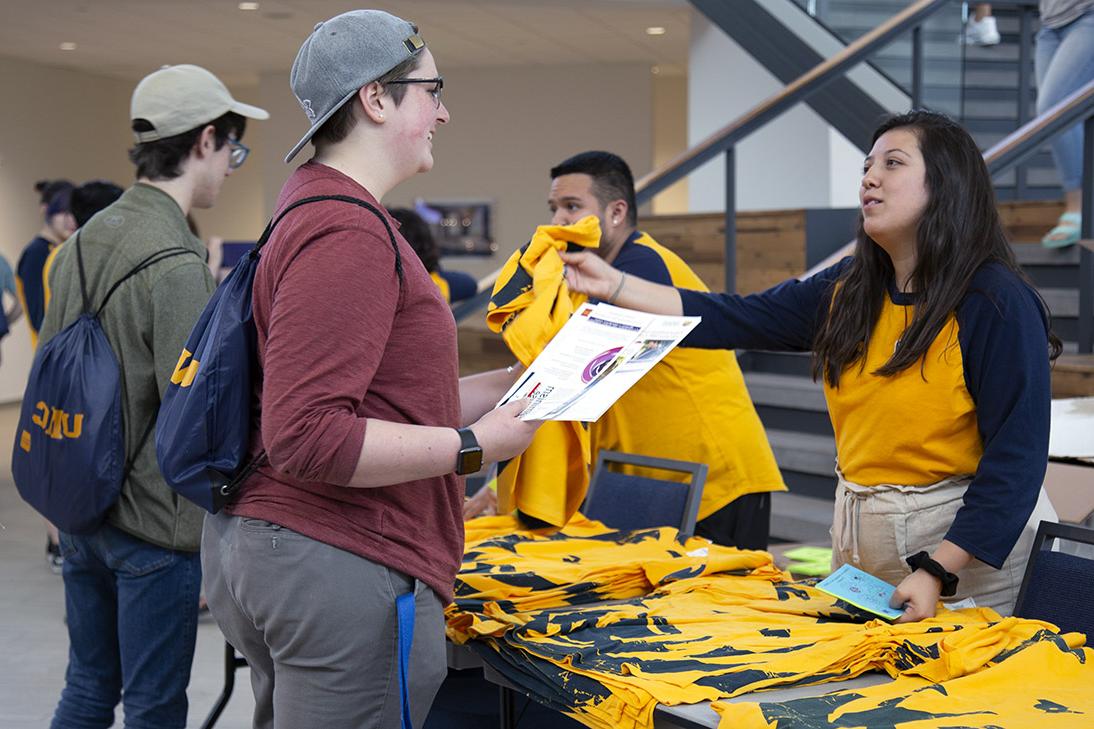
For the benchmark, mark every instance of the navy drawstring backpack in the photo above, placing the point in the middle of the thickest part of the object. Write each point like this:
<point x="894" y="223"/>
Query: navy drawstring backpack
<point x="69" y="454"/>
<point x="204" y="425"/>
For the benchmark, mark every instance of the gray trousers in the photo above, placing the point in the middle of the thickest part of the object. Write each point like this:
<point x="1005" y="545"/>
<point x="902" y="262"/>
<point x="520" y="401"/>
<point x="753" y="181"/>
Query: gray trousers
<point x="318" y="627"/>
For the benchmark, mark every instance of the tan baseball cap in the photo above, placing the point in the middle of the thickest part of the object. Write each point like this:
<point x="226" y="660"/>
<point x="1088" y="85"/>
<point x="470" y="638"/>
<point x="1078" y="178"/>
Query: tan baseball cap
<point x="176" y="99"/>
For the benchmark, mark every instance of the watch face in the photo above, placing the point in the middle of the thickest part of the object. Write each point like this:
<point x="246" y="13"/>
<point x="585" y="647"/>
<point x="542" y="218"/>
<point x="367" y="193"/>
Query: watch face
<point x="470" y="461"/>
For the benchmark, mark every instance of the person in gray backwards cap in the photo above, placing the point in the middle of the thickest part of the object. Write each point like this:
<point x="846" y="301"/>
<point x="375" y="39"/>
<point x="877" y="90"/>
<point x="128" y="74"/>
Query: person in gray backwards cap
<point x="131" y="586"/>
<point x="358" y="512"/>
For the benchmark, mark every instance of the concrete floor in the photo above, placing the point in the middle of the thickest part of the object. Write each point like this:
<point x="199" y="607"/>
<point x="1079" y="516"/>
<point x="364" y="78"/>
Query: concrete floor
<point x="33" y="637"/>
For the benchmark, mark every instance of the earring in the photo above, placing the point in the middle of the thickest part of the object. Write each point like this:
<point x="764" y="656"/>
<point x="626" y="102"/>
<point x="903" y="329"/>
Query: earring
<point x="381" y="115"/>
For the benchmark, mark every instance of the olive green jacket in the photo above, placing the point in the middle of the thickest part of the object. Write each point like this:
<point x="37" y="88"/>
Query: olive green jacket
<point x="147" y="322"/>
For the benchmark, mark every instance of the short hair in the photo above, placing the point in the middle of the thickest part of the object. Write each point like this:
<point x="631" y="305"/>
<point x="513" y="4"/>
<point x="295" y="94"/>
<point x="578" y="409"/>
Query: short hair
<point x="91" y="197"/>
<point x="46" y="189"/>
<point x="342" y="122"/>
<point x="418" y="235"/>
<point x="612" y="178"/>
<point x="162" y="159"/>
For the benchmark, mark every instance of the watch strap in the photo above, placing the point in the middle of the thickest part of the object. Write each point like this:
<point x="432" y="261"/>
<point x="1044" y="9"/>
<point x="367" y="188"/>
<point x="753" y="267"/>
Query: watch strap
<point x="467" y="438"/>
<point x="923" y="561"/>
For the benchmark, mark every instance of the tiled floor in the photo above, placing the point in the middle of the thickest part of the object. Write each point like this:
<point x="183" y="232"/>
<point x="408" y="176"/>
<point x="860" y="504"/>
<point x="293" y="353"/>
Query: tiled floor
<point x="33" y="637"/>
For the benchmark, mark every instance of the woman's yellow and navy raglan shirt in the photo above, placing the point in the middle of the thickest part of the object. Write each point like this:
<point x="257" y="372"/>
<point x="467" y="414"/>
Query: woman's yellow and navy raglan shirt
<point x="978" y="404"/>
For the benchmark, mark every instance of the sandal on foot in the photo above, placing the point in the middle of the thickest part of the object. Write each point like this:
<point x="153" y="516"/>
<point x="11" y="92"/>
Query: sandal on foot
<point x="1066" y="232"/>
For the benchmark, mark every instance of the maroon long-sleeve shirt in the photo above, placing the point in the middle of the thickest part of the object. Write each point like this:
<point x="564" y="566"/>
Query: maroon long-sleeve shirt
<point x="340" y="342"/>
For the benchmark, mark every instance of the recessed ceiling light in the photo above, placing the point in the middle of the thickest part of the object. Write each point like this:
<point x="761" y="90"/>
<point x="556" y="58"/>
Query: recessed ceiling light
<point x="248" y="6"/>
<point x="655" y="70"/>
<point x="655" y="30"/>
<point x="68" y="46"/>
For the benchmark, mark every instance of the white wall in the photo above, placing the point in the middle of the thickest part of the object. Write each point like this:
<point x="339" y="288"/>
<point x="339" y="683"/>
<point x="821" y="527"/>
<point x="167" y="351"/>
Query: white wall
<point x="509" y="126"/>
<point x="795" y="161"/>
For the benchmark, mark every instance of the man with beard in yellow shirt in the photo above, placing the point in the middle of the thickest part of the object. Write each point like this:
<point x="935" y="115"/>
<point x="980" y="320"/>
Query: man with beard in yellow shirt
<point x="693" y="405"/>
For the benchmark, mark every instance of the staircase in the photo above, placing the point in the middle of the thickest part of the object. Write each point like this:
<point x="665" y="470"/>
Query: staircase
<point x="977" y="85"/>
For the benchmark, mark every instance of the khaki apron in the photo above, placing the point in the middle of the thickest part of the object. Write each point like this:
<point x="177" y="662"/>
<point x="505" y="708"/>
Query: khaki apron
<point x="875" y="528"/>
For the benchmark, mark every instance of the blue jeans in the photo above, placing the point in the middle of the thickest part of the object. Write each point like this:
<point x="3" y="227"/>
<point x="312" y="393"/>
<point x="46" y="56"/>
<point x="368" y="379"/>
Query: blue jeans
<point x="1064" y="61"/>
<point x="132" y="624"/>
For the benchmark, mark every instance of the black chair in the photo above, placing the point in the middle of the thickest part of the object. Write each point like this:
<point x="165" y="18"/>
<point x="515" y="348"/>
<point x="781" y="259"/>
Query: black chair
<point x="1059" y="587"/>
<point x="232" y="662"/>
<point x="624" y="501"/>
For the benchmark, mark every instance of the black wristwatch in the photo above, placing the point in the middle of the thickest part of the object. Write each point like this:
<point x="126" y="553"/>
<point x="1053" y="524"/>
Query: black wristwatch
<point x="923" y="561"/>
<point x="469" y="459"/>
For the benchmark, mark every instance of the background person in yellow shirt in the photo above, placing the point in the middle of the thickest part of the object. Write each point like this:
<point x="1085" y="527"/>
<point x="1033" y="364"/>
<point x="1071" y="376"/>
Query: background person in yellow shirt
<point x="693" y="405"/>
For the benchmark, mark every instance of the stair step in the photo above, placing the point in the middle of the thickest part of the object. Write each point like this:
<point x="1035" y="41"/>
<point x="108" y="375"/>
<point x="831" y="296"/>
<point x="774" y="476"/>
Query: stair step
<point x="800" y="518"/>
<point x="1003" y="193"/>
<point x="813" y="454"/>
<point x="799" y="364"/>
<point x="1061" y="302"/>
<point x="1034" y="254"/>
<point x="785" y="391"/>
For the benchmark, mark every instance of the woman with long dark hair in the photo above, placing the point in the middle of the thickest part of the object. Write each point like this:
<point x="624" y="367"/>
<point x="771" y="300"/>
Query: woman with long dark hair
<point x="934" y="352"/>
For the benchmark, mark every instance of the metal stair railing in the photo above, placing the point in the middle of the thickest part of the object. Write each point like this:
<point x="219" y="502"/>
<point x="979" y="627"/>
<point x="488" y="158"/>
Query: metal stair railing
<point x="725" y="139"/>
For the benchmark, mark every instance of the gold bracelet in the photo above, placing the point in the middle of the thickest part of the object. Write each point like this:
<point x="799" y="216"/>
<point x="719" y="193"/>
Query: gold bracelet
<point x="615" y="295"/>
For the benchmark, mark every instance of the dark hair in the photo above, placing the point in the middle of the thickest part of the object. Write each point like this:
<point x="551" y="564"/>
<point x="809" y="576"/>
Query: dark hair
<point x="91" y="197"/>
<point x="960" y="231"/>
<point x="46" y="189"/>
<point x="342" y="122"/>
<point x="612" y="178"/>
<point x="161" y="159"/>
<point x="418" y="235"/>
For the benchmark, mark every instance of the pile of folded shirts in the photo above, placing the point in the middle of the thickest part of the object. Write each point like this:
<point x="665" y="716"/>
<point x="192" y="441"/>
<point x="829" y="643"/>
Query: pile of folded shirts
<point x="1047" y="682"/>
<point x="508" y="575"/>
<point x="604" y="625"/>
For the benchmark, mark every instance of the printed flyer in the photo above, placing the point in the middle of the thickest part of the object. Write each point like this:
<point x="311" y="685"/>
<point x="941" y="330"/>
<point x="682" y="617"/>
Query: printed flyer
<point x="594" y="359"/>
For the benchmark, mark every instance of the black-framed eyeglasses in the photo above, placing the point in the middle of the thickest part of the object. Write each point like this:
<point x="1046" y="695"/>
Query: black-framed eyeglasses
<point x="435" y="92"/>
<point x="238" y="153"/>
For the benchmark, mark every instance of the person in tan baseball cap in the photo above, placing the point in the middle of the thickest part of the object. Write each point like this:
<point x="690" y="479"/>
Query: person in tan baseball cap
<point x="131" y="585"/>
<point x="182" y="118"/>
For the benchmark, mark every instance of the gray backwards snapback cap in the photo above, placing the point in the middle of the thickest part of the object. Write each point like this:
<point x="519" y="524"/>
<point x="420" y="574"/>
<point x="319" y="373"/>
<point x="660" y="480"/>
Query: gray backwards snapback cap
<point x="343" y="54"/>
<point x="176" y="99"/>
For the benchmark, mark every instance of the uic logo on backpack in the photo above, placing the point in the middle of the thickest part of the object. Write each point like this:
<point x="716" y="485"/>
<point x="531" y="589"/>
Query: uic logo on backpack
<point x="56" y="423"/>
<point x="184" y="374"/>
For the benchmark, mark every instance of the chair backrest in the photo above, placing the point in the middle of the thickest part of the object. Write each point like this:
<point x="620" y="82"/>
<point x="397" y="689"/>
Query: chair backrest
<point x="625" y="501"/>
<point x="1059" y="587"/>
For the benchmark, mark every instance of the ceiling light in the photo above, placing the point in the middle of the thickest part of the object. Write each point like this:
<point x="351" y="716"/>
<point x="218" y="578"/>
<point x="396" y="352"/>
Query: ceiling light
<point x="655" y="30"/>
<point x="248" y="6"/>
<point x="655" y="70"/>
<point x="68" y="46"/>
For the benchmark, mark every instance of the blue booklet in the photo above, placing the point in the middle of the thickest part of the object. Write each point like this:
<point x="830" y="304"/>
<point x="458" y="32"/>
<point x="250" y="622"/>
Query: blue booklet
<point x="862" y="590"/>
